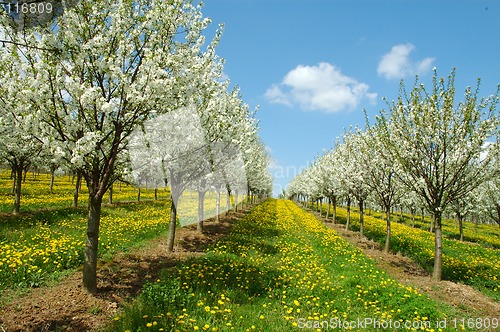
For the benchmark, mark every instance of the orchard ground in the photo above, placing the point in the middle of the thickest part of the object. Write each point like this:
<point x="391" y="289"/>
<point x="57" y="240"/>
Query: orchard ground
<point x="63" y="306"/>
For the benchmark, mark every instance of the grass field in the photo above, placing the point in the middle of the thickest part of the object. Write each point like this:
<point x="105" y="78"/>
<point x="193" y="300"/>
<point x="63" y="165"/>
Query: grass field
<point x="473" y="263"/>
<point x="279" y="269"/>
<point x="486" y="235"/>
<point x="48" y="237"/>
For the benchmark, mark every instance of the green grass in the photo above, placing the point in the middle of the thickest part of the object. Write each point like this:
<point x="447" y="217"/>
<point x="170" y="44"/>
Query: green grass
<point x="279" y="269"/>
<point x="468" y="263"/>
<point x="486" y="235"/>
<point x="53" y="241"/>
<point x="48" y="237"/>
<point x="36" y="196"/>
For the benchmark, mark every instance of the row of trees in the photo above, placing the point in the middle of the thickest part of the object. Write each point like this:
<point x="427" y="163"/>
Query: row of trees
<point x="427" y="151"/>
<point x="110" y="82"/>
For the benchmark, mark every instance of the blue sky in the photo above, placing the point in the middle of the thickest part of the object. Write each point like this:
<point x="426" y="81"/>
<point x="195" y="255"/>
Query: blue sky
<point x="313" y="65"/>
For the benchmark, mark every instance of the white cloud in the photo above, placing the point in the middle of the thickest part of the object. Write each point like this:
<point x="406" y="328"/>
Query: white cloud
<point x="275" y="95"/>
<point x="321" y="87"/>
<point x="397" y="63"/>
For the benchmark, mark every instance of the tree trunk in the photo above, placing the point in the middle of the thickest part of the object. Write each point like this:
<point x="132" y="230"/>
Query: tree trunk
<point x="51" y="185"/>
<point x="92" y="244"/>
<point x="235" y="201"/>
<point x="361" y="219"/>
<point x="348" y="213"/>
<point x="228" y="202"/>
<point x="217" y="206"/>
<point x="77" y="189"/>
<point x="461" y="225"/>
<point x="17" y="192"/>
<point x="156" y="193"/>
<point x="201" y="204"/>
<point x="387" y="246"/>
<point x="438" y="251"/>
<point x="413" y="219"/>
<point x="138" y="193"/>
<point x="334" y="203"/>
<point x="171" y="227"/>
<point x="329" y="207"/>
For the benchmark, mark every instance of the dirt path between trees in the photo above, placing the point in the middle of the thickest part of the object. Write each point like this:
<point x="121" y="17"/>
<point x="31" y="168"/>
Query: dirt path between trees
<point x="66" y="307"/>
<point x="470" y="302"/>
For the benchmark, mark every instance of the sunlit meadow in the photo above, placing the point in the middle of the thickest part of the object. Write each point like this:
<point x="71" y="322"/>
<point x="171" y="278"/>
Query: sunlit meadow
<point x="279" y="269"/>
<point x="474" y="263"/>
<point x="49" y="236"/>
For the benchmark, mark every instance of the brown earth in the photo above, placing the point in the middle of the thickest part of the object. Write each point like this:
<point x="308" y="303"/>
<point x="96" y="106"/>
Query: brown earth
<point x="66" y="307"/>
<point x="470" y="302"/>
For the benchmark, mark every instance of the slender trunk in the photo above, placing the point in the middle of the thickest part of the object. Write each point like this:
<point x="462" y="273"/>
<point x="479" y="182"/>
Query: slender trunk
<point x="92" y="244"/>
<point x="228" y="202"/>
<point x="321" y="207"/>
<point x="461" y="226"/>
<point x="51" y="185"/>
<point x="361" y="219"/>
<point x="422" y="214"/>
<point x="201" y="204"/>
<point x="217" y="206"/>
<point x="17" y="193"/>
<point x="26" y="173"/>
<point x="138" y="193"/>
<point x="387" y="246"/>
<point x="348" y="213"/>
<point x="156" y="193"/>
<point x="413" y="219"/>
<point x="329" y="207"/>
<point x="110" y="195"/>
<point x="235" y="201"/>
<point x="171" y="226"/>
<point x="438" y="251"/>
<point x="334" y="203"/>
<point x="77" y="189"/>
